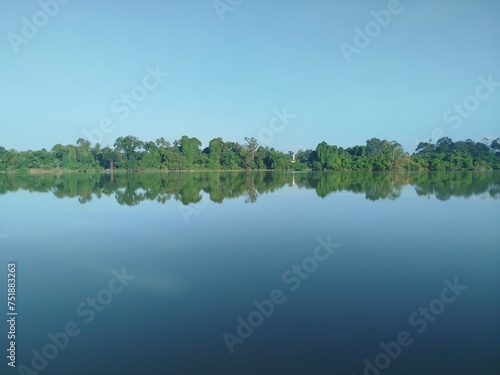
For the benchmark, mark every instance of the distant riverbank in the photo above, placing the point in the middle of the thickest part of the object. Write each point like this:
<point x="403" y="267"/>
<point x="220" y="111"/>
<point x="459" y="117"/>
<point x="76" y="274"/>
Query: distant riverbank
<point x="142" y="171"/>
<point x="187" y="155"/>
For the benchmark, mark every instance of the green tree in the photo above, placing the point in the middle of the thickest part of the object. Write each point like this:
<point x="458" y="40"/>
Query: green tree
<point x="129" y="146"/>
<point x="190" y="149"/>
<point x="251" y="147"/>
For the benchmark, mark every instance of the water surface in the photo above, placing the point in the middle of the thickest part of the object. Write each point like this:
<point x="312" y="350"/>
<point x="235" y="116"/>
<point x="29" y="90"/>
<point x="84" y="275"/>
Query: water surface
<point x="202" y="247"/>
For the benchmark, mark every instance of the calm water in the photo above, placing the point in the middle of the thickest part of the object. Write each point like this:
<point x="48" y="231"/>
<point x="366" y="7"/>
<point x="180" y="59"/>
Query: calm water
<point x="202" y="251"/>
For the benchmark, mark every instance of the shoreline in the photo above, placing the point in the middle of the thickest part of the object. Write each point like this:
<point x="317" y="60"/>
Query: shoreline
<point x="33" y="172"/>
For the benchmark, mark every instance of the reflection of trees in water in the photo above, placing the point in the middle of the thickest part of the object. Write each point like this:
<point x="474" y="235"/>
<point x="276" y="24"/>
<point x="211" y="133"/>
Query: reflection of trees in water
<point x="131" y="189"/>
<point x="374" y="185"/>
<point x="461" y="184"/>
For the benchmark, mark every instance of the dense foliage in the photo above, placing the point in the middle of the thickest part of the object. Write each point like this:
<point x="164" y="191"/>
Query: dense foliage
<point x="131" y="154"/>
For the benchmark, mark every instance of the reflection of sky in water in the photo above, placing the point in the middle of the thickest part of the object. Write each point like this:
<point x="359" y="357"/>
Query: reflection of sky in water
<point x="193" y="281"/>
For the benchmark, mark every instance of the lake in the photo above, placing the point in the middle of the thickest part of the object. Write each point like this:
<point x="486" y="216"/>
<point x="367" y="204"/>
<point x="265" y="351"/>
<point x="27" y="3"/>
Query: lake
<point x="253" y="273"/>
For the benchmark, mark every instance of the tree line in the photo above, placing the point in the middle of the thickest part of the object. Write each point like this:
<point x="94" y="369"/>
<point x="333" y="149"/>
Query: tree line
<point x="131" y="154"/>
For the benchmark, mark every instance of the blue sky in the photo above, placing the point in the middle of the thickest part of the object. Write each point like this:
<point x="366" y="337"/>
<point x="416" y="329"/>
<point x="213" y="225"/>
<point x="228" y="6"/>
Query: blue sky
<point x="228" y="77"/>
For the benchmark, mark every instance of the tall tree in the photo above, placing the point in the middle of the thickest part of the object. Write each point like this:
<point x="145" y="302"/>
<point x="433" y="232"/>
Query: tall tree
<point x="129" y="146"/>
<point x="190" y="148"/>
<point x="251" y="147"/>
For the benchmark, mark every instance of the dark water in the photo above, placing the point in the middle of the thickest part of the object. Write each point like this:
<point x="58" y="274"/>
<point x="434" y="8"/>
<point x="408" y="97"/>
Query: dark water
<point x="339" y="264"/>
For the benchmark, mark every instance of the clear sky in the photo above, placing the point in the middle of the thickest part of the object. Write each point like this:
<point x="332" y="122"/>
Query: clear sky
<point x="230" y="70"/>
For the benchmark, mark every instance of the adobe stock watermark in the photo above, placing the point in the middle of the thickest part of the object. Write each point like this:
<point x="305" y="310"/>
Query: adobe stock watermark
<point x="458" y="112"/>
<point x="363" y="37"/>
<point x="3" y="236"/>
<point x="126" y="103"/>
<point x="277" y="124"/>
<point x="86" y="310"/>
<point x="292" y="278"/>
<point x="223" y="6"/>
<point x="264" y="136"/>
<point x="193" y="209"/>
<point x="419" y="319"/>
<point x="123" y="105"/>
<point x="31" y="26"/>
